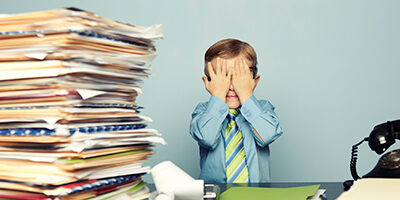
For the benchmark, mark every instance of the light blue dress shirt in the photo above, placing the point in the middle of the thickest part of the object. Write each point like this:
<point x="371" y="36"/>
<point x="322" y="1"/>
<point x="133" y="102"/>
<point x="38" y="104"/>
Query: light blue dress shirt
<point x="208" y="126"/>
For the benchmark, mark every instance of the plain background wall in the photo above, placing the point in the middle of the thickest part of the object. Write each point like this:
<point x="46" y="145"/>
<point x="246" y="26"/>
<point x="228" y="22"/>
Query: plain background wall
<point x="331" y="68"/>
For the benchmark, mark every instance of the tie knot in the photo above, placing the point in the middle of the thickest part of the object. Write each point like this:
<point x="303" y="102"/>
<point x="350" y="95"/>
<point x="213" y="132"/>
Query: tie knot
<point x="232" y="114"/>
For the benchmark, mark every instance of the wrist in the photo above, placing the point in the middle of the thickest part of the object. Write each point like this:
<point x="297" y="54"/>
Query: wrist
<point x="245" y="96"/>
<point x="222" y="96"/>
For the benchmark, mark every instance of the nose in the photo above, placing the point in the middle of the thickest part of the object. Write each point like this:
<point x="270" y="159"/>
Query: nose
<point x="231" y="87"/>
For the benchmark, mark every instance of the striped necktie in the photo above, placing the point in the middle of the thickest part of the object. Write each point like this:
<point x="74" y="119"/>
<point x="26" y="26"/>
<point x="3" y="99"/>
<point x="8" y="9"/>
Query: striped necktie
<point x="235" y="157"/>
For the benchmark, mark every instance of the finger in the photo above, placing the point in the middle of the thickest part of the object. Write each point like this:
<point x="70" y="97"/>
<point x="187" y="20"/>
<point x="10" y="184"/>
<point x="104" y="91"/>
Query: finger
<point x="246" y="69"/>
<point x="210" y="70"/>
<point x="242" y="66"/>
<point x="237" y="67"/>
<point x="223" y="68"/>
<point x="227" y="67"/>
<point x="218" y="67"/>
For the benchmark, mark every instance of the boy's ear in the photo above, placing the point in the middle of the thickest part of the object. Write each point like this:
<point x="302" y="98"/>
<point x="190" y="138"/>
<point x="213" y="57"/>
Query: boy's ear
<point x="205" y="80"/>
<point x="257" y="79"/>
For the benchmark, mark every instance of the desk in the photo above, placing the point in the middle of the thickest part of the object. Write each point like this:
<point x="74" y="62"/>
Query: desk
<point x="333" y="189"/>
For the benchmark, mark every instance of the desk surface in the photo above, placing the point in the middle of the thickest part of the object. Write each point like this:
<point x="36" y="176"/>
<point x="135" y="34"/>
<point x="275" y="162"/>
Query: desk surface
<point x="333" y="189"/>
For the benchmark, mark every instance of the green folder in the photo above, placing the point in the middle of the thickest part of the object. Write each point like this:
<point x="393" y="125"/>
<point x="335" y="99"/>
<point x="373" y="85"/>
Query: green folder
<point x="264" y="193"/>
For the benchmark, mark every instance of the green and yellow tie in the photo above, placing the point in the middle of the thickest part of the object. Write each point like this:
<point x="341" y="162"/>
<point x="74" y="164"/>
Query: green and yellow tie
<point x="235" y="157"/>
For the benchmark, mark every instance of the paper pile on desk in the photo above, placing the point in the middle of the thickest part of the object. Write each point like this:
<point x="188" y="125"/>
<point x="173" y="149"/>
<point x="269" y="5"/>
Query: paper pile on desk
<point x="69" y="124"/>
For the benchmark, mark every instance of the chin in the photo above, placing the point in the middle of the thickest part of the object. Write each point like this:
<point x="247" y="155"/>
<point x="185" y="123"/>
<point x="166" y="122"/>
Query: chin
<point x="234" y="104"/>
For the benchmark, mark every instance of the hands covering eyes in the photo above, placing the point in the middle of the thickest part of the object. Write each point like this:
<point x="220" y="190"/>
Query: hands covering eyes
<point x="223" y="78"/>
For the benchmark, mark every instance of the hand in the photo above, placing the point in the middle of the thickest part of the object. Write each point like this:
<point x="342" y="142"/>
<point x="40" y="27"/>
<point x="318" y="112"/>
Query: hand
<point x="220" y="79"/>
<point x="242" y="80"/>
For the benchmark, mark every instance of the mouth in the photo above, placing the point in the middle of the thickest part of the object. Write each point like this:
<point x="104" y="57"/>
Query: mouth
<point x="231" y="96"/>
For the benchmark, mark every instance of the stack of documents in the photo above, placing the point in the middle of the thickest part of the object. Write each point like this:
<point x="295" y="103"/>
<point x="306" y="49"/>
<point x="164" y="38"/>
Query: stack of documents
<point x="69" y="124"/>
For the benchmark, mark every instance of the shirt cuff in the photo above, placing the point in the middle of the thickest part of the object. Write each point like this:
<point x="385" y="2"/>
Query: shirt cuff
<point x="251" y="109"/>
<point x="217" y="107"/>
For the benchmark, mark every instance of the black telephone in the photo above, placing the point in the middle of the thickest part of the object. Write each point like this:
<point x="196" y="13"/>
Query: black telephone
<point x="380" y="139"/>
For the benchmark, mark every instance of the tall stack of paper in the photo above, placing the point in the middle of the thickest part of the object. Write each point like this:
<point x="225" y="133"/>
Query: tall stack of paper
<point x="69" y="125"/>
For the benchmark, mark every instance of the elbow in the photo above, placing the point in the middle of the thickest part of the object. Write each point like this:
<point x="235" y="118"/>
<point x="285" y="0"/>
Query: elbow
<point x="207" y="143"/>
<point x="203" y="140"/>
<point x="205" y="135"/>
<point x="265" y="141"/>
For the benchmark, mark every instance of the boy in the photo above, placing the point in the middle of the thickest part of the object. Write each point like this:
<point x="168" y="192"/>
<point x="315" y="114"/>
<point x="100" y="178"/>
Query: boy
<point x="233" y="129"/>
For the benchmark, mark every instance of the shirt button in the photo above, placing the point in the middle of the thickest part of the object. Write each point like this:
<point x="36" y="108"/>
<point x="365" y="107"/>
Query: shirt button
<point x="248" y="114"/>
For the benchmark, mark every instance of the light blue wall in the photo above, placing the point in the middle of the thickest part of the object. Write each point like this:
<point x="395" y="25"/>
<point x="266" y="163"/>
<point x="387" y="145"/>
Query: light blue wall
<point x="331" y="68"/>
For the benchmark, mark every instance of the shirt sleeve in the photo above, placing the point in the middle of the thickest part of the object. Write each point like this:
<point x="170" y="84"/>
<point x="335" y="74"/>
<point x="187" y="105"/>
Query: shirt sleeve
<point x="207" y="120"/>
<point x="263" y="120"/>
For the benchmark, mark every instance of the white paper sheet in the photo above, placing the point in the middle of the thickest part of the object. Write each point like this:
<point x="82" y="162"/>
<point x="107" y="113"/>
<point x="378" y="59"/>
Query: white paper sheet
<point x="373" y="189"/>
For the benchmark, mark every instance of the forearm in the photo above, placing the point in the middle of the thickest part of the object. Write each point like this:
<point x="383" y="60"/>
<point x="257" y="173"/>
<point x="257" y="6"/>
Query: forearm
<point x="263" y="120"/>
<point x="207" y="121"/>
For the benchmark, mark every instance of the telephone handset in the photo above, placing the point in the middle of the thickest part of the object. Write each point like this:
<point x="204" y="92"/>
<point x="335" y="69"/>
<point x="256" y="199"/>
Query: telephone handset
<point x="380" y="139"/>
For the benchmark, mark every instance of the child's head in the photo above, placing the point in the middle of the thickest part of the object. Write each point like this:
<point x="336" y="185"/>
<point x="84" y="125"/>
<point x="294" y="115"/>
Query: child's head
<point x="230" y="50"/>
